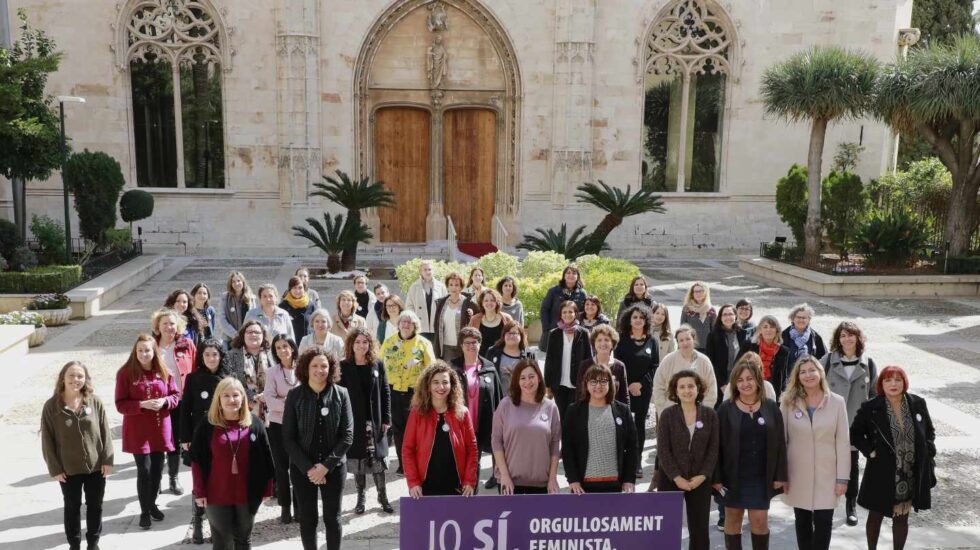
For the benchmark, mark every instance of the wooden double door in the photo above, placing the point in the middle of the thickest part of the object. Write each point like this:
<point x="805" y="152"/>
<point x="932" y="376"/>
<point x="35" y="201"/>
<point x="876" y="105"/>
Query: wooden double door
<point x="468" y="167"/>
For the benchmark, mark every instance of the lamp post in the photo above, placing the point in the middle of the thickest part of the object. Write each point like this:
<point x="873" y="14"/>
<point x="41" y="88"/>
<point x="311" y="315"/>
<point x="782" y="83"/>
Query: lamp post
<point x="62" y="99"/>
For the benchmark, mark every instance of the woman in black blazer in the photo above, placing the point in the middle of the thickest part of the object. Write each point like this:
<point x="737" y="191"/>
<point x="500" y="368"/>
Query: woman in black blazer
<point x="490" y="391"/>
<point x="570" y="287"/>
<point x="725" y="343"/>
<point x="895" y="411"/>
<point x="613" y="428"/>
<point x="561" y="378"/>
<point x="363" y="374"/>
<point x="687" y="452"/>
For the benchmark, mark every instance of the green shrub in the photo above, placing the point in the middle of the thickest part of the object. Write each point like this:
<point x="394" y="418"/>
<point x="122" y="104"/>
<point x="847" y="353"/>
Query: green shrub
<point x="497" y="265"/>
<point x="891" y="239"/>
<point x="23" y="258"/>
<point x="844" y="206"/>
<point x="48" y="301"/>
<point x="963" y="264"/>
<point x="791" y="201"/>
<point x="135" y="205"/>
<point x="51" y="235"/>
<point x="532" y="293"/>
<point x="120" y="240"/>
<point x="53" y="278"/>
<point x="9" y="238"/>
<point x="96" y="180"/>
<point x="537" y="264"/>
<point x="408" y="272"/>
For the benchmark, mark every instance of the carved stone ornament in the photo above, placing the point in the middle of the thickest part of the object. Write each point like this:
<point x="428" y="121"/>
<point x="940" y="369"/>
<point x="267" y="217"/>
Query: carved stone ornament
<point x="177" y="31"/>
<point x="438" y="20"/>
<point x="437" y="63"/>
<point x="689" y="38"/>
<point x="908" y="37"/>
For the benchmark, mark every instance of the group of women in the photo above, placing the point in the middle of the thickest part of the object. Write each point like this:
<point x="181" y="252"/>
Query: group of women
<point x="744" y="411"/>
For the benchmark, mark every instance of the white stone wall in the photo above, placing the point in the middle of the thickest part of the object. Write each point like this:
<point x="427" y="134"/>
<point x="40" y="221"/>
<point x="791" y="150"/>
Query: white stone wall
<point x="251" y="216"/>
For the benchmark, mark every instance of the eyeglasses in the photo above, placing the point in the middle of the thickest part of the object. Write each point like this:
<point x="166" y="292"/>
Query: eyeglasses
<point x="254" y="332"/>
<point x="471" y="343"/>
<point x="598" y="383"/>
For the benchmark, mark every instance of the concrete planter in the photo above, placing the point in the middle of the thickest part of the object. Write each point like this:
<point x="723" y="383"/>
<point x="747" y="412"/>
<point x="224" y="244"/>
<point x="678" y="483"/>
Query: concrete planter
<point x="37" y="337"/>
<point x="55" y="317"/>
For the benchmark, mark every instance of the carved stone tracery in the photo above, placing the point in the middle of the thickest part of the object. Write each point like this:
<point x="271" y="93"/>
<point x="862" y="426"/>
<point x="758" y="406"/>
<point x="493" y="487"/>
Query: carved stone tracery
<point x="181" y="32"/>
<point x="690" y="38"/>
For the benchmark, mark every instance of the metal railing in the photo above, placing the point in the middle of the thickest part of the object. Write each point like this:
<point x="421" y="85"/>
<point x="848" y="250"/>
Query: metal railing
<point x="500" y="236"/>
<point x="451" y="237"/>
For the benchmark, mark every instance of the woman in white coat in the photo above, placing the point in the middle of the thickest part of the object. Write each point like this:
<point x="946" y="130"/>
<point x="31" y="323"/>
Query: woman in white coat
<point x="818" y="450"/>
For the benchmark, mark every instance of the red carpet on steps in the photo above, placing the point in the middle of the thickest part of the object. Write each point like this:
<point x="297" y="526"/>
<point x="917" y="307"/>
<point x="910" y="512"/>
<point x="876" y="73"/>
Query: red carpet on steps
<point x="477" y="250"/>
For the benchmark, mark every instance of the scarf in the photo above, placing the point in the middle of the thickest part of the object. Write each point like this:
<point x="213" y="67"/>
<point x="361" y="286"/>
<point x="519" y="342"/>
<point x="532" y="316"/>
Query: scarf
<point x="800" y="340"/>
<point x="235" y="310"/>
<point x="903" y="434"/>
<point x="568" y="329"/>
<point x="701" y="309"/>
<point x="298" y="303"/>
<point x="767" y="352"/>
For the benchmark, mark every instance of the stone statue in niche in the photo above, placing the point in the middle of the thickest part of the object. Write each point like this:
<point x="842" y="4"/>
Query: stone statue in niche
<point x="438" y="19"/>
<point x="437" y="63"/>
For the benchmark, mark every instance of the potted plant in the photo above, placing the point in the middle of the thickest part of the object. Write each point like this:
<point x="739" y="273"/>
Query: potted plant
<point x="27" y="318"/>
<point x="53" y="308"/>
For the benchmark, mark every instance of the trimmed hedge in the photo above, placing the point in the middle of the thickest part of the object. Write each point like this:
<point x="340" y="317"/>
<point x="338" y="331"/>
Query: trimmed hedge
<point x="963" y="265"/>
<point x="55" y="278"/>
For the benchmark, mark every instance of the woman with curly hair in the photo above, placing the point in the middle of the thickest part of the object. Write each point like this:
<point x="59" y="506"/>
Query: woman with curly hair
<point x="640" y="353"/>
<point x="195" y="326"/>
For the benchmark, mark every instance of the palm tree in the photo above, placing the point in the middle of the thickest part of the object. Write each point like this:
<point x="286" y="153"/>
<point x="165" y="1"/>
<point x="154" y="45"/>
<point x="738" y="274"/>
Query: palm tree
<point x="934" y="93"/>
<point x="571" y="246"/>
<point x="354" y="196"/>
<point x="617" y="205"/>
<point x="819" y="85"/>
<point x="333" y="237"/>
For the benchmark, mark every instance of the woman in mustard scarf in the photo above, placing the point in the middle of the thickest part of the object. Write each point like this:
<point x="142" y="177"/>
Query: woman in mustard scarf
<point x="300" y="307"/>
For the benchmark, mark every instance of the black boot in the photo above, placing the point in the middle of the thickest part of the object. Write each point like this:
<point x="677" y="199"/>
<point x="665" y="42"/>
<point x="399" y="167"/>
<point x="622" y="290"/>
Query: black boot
<point x="852" y="517"/>
<point x="379" y="483"/>
<point x="175" y="487"/>
<point x="733" y="542"/>
<point x="760" y="542"/>
<point x="360" y="481"/>
<point x="197" y="525"/>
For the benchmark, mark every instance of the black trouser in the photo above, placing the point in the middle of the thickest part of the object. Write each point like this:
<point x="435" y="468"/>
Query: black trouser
<point x="401" y="404"/>
<point x="563" y="398"/>
<point x="149" y="468"/>
<point x="330" y="494"/>
<point x="698" y="505"/>
<point x="231" y="527"/>
<point x="813" y="528"/>
<point x="430" y="336"/>
<point x="852" y="482"/>
<point x="640" y="407"/>
<point x="94" y="487"/>
<point x="602" y="487"/>
<point x="173" y="457"/>
<point x="527" y="490"/>
<point x="283" y="492"/>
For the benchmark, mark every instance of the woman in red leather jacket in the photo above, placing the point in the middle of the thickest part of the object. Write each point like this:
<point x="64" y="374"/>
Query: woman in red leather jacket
<point x="440" y="446"/>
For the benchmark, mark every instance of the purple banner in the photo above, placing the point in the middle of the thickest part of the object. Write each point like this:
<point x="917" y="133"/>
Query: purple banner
<point x="543" y="522"/>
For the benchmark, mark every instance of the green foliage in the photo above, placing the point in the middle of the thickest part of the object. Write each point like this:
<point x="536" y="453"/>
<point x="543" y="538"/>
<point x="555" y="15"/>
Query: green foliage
<point x="537" y="264"/>
<point x="571" y="246"/>
<point x="29" y="128"/>
<point x="791" y="200"/>
<point x="96" y="180"/>
<point x="963" y="264"/>
<point x="120" y="240"/>
<point x="333" y="236"/>
<point x="891" y="239"/>
<point x="48" y="301"/>
<point x="23" y="258"/>
<point x="22" y="318"/>
<point x="781" y="252"/>
<point x="51" y="235"/>
<point x="848" y="155"/>
<point x="618" y="205"/>
<point x="497" y="265"/>
<point x="940" y="21"/>
<point x="408" y="272"/>
<point x="135" y="205"/>
<point x="54" y="278"/>
<point x="845" y="206"/>
<point x="532" y="293"/>
<point x="922" y="191"/>
<point x="354" y="196"/>
<point x="9" y="238"/>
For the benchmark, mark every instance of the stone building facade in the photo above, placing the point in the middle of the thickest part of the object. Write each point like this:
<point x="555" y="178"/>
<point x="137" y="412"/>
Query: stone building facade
<point x="489" y="112"/>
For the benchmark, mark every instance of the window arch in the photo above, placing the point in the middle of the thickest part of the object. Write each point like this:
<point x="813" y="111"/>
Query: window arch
<point x="688" y="56"/>
<point x="175" y="52"/>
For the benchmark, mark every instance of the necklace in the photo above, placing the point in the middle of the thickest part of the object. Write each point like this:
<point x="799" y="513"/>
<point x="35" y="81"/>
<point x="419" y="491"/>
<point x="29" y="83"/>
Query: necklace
<point x="750" y="406"/>
<point x="234" y="448"/>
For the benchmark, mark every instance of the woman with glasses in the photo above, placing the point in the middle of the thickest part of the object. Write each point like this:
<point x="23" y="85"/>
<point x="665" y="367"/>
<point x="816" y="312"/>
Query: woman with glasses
<point x="509" y="351"/>
<point x="801" y="338"/>
<point x="698" y="313"/>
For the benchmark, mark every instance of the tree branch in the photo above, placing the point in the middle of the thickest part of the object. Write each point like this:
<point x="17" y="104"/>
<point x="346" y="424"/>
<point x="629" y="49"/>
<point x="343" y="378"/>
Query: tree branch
<point x="942" y="145"/>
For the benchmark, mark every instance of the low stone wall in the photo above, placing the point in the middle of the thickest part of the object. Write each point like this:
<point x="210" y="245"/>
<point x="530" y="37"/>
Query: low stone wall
<point x="14" y="341"/>
<point x="823" y="284"/>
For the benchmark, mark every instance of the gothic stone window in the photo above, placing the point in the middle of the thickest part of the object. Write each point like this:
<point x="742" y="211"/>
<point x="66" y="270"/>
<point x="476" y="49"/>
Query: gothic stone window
<point x="174" y="60"/>
<point x="687" y="61"/>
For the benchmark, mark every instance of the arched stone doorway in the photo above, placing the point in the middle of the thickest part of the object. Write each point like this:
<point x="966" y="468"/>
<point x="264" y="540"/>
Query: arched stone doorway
<point x="439" y="78"/>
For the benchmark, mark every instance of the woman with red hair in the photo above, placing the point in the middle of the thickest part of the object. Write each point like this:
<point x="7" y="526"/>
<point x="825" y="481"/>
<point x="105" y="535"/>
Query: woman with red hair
<point x="894" y="432"/>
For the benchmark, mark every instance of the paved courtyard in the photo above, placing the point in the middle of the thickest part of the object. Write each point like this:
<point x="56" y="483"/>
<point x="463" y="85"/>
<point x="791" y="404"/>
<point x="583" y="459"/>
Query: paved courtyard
<point x="937" y="340"/>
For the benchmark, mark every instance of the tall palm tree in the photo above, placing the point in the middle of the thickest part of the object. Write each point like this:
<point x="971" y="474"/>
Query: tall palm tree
<point x="354" y="196"/>
<point x="935" y="93"/>
<point x="618" y="205"/>
<point x="819" y="85"/>
<point x="333" y="237"/>
<point x="571" y="246"/>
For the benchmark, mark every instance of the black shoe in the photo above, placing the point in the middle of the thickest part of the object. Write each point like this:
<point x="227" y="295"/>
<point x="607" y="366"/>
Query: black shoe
<point x="285" y="517"/>
<point x="852" y="517"/>
<point x="639" y="473"/>
<point x="399" y="471"/>
<point x="145" y="520"/>
<point x="156" y="514"/>
<point x="93" y="546"/>
<point x="721" y="524"/>
<point x="197" y="534"/>
<point x="175" y="487"/>
<point x="491" y="483"/>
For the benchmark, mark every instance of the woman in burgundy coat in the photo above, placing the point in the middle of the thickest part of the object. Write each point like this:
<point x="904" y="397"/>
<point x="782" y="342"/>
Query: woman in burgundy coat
<point x="145" y="396"/>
